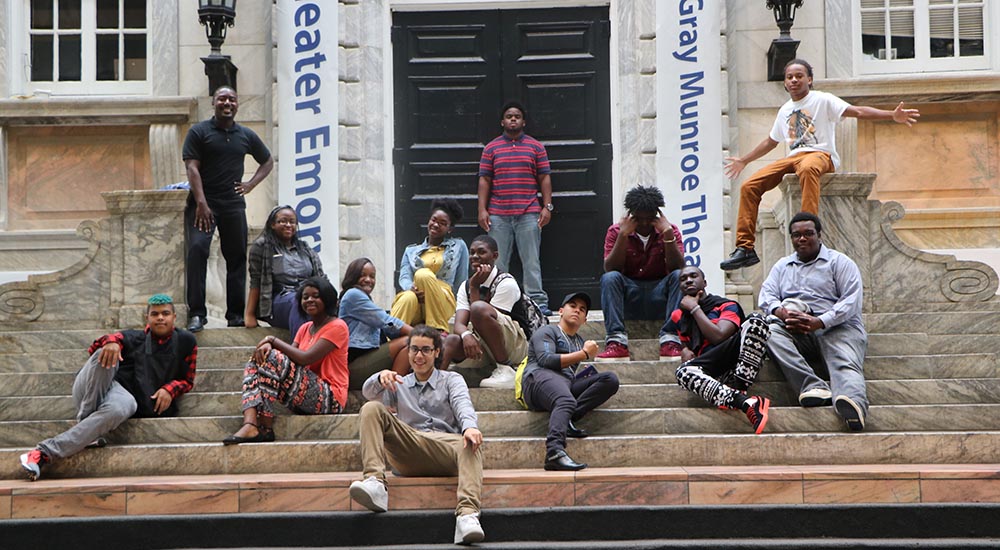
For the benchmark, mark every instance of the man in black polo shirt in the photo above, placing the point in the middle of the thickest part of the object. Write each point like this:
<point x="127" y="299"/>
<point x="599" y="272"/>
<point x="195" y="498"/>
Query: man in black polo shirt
<point x="214" y="151"/>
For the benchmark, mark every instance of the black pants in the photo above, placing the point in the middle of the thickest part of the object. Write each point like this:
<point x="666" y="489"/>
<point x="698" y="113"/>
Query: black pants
<point x="232" y="226"/>
<point x="548" y="390"/>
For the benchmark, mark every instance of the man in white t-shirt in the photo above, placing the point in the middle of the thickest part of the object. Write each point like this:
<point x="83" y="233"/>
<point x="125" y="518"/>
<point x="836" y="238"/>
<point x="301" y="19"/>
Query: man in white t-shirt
<point x="487" y="340"/>
<point x="807" y="124"/>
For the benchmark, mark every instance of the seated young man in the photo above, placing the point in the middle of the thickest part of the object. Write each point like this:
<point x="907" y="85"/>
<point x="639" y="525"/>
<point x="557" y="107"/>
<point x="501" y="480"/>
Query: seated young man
<point x="553" y="380"/>
<point x="432" y="433"/>
<point x="814" y="297"/>
<point x="720" y="358"/>
<point x="643" y="255"/>
<point x="487" y="340"/>
<point x="138" y="373"/>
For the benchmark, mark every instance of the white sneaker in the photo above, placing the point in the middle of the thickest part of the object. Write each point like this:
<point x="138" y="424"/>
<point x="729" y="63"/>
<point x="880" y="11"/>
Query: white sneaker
<point x="815" y="397"/>
<point x="371" y="494"/>
<point x="502" y="377"/>
<point x="468" y="530"/>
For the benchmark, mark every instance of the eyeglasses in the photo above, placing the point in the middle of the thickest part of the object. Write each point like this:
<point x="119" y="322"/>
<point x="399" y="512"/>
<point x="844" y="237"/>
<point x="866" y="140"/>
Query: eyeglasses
<point x="285" y="222"/>
<point x="807" y="233"/>
<point x="426" y="350"/>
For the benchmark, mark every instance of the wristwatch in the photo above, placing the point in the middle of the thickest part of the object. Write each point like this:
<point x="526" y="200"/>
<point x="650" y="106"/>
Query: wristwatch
<point x="549" y="207"/>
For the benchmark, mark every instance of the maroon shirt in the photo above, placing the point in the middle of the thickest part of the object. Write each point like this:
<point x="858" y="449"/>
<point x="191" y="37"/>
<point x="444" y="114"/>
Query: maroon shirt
<point x="643" y="263"/>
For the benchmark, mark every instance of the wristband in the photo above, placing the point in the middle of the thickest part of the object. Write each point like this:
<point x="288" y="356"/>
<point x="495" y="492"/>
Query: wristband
<point x="672" y="240"/>
<point x="466" y="333"/>
<point x="585" y="354"/>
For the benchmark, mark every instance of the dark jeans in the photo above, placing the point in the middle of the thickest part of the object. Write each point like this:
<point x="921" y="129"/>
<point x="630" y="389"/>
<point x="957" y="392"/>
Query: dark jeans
<point x="285" y="313"/>
<point x="548" y="390"/>
<point x="232" y="226"/>
<point x="626" y="298"/>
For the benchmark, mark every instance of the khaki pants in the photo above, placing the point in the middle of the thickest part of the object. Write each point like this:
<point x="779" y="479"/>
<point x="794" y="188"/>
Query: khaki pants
<point x="438" y="306"/>
<point x="417" y="454"/>
<point x="807" y="166"/>
<point x="476" y="370"/>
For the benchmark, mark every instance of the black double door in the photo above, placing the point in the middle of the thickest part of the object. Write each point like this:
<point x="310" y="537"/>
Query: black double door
<point x="453" y="71"/>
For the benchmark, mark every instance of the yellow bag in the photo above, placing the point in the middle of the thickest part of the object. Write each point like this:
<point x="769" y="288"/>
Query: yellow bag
<point x="518" y="390"/>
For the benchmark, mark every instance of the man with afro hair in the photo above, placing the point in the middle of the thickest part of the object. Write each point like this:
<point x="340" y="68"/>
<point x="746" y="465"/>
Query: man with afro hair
<point x="643" y="256"/>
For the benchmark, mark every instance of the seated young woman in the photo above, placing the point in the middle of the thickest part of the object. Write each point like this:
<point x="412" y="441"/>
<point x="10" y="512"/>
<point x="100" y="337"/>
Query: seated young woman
<point x="279" y="261"/>
<point x="309" y="376"/>
<point x="431" y="271"/>
<point x="370" y="326"/>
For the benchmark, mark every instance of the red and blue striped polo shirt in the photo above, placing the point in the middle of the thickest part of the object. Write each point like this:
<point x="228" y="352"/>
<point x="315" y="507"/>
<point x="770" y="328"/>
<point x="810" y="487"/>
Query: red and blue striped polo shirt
<point x="514" y="166"/>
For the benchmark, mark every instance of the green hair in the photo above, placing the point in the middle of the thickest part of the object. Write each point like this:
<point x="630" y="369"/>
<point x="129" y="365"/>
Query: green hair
<point x="160" y="299"/>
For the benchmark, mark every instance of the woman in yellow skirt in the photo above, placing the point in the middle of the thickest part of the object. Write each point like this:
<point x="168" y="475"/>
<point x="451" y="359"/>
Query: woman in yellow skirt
<point x="431" y="271"/>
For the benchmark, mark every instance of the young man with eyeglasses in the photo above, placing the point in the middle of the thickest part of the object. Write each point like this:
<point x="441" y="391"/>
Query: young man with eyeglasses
<point x="434" y="432"/>
<point x="814" y="300"/>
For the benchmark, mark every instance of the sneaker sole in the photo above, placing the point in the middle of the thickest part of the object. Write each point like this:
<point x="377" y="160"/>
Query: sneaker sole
<point x="741" y="265"/>
<point x="503" y="386"/>
<point x="763" y="417"/>
<point x="670" y="358"/>
<point x="471" y="538"/>
<point x="851" y="414"/>
<point x="815" y="402"/>
<point x="359" y="495"/>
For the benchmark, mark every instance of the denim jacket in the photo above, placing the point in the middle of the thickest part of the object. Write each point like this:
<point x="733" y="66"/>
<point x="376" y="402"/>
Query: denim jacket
<point x="368" y="324"/>
<point x="454" y="269"/>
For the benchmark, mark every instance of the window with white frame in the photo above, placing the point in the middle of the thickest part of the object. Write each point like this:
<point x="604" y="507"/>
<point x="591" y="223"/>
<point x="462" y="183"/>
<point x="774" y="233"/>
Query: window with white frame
<point x="923" y="35"/>
<point x="86" y="46"/>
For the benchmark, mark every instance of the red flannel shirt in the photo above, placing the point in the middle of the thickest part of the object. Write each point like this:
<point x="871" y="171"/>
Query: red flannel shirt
<point x="643" y="263"/>
<point x="175" y="388"/>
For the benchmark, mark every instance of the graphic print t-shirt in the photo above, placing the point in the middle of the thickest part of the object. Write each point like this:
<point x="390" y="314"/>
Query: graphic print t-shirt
<point x="809" y="124"/>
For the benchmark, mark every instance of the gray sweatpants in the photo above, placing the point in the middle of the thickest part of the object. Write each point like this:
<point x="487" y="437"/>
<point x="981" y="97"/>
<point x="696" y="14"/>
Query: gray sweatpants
<point x="839" y="350"/>
<point x="102" y="405"/>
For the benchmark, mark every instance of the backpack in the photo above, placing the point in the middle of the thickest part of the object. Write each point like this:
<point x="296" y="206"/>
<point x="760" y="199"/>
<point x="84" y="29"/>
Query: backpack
<point x="525" y="311"/>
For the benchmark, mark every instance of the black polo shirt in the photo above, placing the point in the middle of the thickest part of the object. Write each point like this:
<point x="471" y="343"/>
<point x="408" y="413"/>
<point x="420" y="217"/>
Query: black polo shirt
<point x="221" y="152"/>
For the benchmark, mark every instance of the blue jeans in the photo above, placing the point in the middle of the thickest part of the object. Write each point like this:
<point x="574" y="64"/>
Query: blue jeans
<point x="525" y="232"/>
<point x="626" y="298"/>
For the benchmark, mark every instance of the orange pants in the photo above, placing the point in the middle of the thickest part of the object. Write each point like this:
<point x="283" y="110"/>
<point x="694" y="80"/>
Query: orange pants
<point x="807" y="166"/>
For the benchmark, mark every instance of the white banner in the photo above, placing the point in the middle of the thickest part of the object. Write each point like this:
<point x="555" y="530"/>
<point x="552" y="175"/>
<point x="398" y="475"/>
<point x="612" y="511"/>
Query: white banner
<point x="307" y="122"/>
<point x="689" y="129"/>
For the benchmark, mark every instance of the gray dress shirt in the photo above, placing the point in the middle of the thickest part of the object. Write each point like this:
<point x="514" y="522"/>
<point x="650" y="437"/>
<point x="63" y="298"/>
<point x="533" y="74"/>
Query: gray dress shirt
<point x="441" y="404"/>
<point x="830" y="284"/>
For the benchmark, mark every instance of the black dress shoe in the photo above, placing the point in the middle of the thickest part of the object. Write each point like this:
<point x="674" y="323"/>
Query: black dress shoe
<point x="741" y="257"/>
<point x="573" y="431"/>
<point x="237" y="322"/>
<point x="197" y="323"/>
<point x="264" y="435"/>
<point x="560" y="461"/>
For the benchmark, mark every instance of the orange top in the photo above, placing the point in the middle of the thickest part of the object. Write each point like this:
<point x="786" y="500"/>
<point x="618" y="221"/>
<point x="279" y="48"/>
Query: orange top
<point x="333" y="367"/>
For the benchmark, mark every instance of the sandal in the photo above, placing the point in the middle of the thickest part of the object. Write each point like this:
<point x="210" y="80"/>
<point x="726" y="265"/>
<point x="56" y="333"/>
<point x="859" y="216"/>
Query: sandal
<point x="263" y="436"/>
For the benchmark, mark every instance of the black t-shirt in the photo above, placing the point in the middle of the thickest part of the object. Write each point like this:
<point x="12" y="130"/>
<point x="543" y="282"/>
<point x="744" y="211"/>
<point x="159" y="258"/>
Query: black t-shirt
<point x="221" y="152"/>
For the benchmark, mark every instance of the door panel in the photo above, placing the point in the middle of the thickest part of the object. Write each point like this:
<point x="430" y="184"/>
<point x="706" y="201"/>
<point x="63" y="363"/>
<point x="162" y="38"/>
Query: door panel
<point x="453" y="72"/>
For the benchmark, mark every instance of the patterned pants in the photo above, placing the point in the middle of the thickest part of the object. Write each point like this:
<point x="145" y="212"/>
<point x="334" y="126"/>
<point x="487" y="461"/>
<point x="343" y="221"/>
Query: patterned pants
<point x="728" y="368"/>
<point x="278" y="379"/>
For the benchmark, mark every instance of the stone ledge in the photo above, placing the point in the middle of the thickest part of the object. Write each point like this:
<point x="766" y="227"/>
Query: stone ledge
<point x="694" y="486"/>
<point x="98" y="110"/>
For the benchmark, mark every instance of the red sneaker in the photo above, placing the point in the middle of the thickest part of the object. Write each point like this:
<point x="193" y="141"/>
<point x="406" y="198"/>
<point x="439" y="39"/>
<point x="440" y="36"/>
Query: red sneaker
<point x="757" y="413"/>
<point x="614" y="351"/>
<point x="32" y="462"/>
<point x="669" y="350"/>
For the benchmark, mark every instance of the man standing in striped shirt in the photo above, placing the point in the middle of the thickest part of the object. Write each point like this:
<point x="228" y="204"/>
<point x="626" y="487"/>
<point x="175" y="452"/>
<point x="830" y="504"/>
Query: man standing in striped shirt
<point x="513" y="169"/>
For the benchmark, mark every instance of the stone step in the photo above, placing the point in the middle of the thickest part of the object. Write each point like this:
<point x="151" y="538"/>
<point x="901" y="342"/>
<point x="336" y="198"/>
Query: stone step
<point x="215" y="379"/>
<point x="677" y="487"/>
<point x="632" y="396"/>
<point x="636" y="451"/>
<point x="513" y="423"/>
<point x="47" y="340"/>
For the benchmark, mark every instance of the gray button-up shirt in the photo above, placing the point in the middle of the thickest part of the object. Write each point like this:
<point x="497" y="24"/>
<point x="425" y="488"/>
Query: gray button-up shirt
<point x="830" y="284"/>
<point x="441" y="404"/>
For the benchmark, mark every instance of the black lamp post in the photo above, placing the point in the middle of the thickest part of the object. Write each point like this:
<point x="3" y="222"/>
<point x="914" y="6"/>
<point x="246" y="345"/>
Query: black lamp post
<point x="216" y="15"/>
<point x="783" y="48"/>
